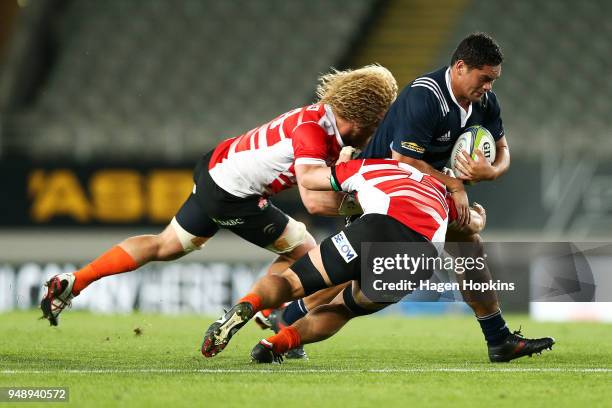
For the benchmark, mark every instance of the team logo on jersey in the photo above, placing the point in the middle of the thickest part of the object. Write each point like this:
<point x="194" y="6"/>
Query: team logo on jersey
<point x="344" y="247"/>
<point x="413" y="146"/>
<point x="231" y="222"/>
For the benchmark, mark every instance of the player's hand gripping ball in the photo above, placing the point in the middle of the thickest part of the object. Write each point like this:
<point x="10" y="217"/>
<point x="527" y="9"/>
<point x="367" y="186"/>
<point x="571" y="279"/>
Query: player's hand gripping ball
<point x="475" y="138"/>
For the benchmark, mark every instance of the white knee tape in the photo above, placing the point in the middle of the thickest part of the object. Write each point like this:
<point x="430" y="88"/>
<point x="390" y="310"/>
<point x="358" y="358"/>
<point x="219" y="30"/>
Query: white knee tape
<point x="293" y="236"/>
<point x="189" y="241"/>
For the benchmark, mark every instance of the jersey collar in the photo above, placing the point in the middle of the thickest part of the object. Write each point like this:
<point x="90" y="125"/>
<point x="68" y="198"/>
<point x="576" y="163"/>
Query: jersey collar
<point x="334" y="126"/>
<point x="465" y="115"/>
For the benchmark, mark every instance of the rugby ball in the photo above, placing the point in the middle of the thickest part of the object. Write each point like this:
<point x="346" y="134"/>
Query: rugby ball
<point x="474" y="138"/>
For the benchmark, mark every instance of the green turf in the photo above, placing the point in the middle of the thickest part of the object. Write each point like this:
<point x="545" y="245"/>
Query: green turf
<point x="341" y="372"/>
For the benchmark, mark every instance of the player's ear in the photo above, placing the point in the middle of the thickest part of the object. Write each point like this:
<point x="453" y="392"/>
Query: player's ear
<point x="460" y="67"/>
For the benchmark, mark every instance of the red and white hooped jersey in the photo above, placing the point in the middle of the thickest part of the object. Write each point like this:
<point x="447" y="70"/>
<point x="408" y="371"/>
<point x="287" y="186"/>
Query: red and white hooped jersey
<point x="396" y="189"/>
<point x="261" y="161"/>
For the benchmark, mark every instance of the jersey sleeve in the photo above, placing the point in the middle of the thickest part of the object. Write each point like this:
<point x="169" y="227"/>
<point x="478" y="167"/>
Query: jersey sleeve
<point x="342" y="175"/>
<point x="421" y="113"/>
<point x="493" y="120"/>
<point x="309" y="144"/>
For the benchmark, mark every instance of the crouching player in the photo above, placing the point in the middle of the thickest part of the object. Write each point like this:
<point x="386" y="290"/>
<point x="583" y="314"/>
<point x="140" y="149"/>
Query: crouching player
<point x="400" y="204"/>
<point x="233" y="183"/>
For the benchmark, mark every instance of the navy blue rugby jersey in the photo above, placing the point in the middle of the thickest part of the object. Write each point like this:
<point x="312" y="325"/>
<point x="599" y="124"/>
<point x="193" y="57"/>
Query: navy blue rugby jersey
<point x="425" y="121"/>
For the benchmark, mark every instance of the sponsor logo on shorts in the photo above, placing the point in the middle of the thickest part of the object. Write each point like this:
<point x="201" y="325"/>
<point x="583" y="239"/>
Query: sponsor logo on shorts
<point x="269" y="229"/>
<point x="413" y="146"/>
<point x="231" y="222"/>
<point x="344" y="247"/>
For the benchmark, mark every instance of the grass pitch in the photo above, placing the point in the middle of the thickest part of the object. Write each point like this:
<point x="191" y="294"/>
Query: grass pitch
<point x="387" y="361"/>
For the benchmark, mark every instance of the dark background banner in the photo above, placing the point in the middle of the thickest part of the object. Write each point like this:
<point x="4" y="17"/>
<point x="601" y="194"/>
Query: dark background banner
<point x="64" y="194"/>
<point x="554" y="196"/>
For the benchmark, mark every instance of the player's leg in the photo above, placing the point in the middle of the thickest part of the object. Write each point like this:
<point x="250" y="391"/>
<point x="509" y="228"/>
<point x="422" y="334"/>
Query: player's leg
<point x="306" y="276"/>
<point x="262" y="221"/>
<point x="287" y="314"/>
<point x="335" y="261"/>
<point x="466" y="242"/>
<point x="295" y="242"/>
<point x="319" y="324"/>
<point x="299" y="243"/>
<point x="270" y="291"/>
<point x="502" y="344"/>
<point x="189" y="230"/>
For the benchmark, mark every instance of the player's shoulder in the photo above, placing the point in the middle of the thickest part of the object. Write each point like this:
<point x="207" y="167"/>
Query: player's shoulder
<point x="313" y="113"/>
<point x="428" y="90"/>
<point x="316" y="120"/>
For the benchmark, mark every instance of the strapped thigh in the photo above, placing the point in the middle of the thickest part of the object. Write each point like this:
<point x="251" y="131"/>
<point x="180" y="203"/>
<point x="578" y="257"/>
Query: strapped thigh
<point x="309" y="275"/>
<point x="357" y="303"/>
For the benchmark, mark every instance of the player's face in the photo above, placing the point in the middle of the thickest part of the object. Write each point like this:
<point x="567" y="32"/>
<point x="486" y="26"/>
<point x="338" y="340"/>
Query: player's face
<point x="475" y="82"/>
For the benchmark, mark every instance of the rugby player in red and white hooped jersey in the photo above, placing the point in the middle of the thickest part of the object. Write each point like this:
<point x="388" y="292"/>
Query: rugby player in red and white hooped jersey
<point x="400" y="204"/>
<point x="232" y="184"/>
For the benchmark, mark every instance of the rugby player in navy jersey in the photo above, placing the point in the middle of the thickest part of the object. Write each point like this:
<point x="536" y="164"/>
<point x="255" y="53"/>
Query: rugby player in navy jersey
<point x="421" y="128"/>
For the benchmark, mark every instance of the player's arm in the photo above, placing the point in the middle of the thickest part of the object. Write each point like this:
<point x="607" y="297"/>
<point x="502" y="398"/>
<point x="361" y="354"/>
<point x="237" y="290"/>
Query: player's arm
<point x="312" y="174"/>
<point x="315" y="189"/>
<point x="478" y="221"/>
<point x="313" y="177"/>
<point x="502" y="158"/>
<point x="316" y="184"/>
<point x="326" y="203"/>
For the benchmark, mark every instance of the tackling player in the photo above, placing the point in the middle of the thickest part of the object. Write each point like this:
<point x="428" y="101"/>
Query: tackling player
<point x="400" y="204"/>
<point x="421" y="128"/>
<point x="232" y="184"/>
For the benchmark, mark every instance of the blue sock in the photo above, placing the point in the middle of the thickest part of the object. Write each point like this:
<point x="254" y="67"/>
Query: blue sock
<point x="294" y="312"/>
<point x="494" y="328"/>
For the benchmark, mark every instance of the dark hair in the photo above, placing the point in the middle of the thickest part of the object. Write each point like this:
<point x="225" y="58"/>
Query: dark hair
<point x="477" y="50"/>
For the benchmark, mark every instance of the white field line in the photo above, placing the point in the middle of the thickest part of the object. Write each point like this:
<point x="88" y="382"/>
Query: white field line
<point x="281" y="370"/>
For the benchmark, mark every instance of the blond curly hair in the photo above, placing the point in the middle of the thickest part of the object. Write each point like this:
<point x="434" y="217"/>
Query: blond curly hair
<point x="362" y="95"/>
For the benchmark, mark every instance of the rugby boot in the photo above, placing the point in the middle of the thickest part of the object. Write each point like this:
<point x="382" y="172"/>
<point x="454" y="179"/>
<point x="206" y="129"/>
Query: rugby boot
<point x="220" y="332"/>
<point x="515" y="346"/>
<point x="264" y="354"/>
<point x="58" y="296"/>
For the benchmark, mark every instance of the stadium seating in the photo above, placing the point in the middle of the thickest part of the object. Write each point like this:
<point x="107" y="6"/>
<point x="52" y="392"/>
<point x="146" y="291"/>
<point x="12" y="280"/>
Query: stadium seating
<point x="182" y="75"/>
<point x="165" y="79"/>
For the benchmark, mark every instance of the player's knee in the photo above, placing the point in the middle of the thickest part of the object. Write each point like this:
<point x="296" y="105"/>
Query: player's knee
<point x="176" y="240"/>
<point x="293" y="281"/>
<point x="293" y="237"/>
